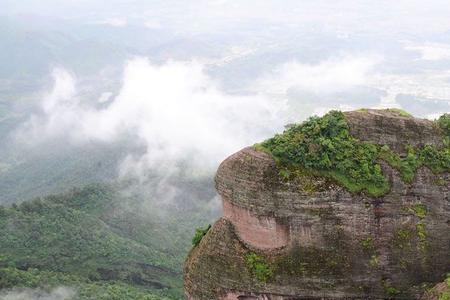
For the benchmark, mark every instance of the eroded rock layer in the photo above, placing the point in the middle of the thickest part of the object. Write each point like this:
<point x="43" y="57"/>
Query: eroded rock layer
<point x="318" y="241"/>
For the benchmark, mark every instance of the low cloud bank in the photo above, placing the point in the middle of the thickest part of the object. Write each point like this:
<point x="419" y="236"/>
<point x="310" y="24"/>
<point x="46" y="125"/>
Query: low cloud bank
<point x="175" y="110"/>
<point x="181" y="116"/>
<point x="327" y="77"/>
<point x="184" y="124"/>
<point x="59" y="293"/>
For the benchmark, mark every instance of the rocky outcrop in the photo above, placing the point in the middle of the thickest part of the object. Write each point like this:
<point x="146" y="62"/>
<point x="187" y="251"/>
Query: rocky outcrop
<point x="320" y="241"/>
<point x="439" y="292"/>
<point x="385" y="127"/>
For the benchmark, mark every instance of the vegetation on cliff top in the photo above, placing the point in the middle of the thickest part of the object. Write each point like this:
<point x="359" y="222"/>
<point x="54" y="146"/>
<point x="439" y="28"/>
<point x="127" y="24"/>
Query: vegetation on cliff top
<point x="323" y="146"/>
<point x="444" y="124"/>
<point x="199" y="234"/>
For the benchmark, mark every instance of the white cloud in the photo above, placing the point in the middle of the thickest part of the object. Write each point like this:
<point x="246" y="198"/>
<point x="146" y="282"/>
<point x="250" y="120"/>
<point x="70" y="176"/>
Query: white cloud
<point x="382" y="16"/>
<point x="327" y="77"/>
<point x="431" y="51"/>
<point x="433" y="116"/>
<point x="59" y="293"/>
<point x="104" y="97"/>
<point x="115" y="22"/>
<point x="62" y="93"/>
<point x="427" y="85"/>
<point x="175" y="109"/>
<point x="180" y="114"/>
<point x="153" y="24"/>
<point x="337" y="76"/>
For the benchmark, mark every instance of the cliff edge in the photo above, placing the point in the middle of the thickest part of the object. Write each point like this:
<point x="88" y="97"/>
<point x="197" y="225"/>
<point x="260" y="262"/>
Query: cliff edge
<point x="352" y="205"/>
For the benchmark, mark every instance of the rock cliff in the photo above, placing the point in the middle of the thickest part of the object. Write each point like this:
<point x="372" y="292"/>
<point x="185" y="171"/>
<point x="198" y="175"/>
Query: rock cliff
<point x="310" y="236"/>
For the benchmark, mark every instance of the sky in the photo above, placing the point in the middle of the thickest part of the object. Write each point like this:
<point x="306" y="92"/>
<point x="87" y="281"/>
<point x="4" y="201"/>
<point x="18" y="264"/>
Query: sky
<point x="408" y="16"/>
<point x="195" y="81"/>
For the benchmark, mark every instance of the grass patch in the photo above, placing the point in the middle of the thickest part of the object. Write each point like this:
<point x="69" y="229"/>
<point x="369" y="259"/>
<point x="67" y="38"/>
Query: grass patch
<point x="399" y="112"/>
<point x="258" y="266"/>
<point x="367" y="244"/>
<point x="199" y="234"/>
<point x="363" y="110"/>
<point x="406" y="166"/>
<point x="420" y="210"/>
<point x="389" y="289"/>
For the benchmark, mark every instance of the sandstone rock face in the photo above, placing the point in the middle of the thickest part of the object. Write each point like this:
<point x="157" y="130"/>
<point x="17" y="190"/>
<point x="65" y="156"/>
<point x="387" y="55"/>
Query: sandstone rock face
<point x="390" y="128"/>
<point x="319" y="240"/>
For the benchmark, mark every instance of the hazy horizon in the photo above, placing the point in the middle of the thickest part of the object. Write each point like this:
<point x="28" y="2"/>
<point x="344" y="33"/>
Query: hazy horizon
<point x="188" y="83"/>
<point x="119" y="112"/>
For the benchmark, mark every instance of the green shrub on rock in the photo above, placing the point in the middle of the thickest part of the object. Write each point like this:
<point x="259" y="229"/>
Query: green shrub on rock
<point x="258" y="267"/>
<point x="199" y="234"/>
<point x="445" y="295"/>
<point x="444" y="123"/>
<point x="324" y="146"/>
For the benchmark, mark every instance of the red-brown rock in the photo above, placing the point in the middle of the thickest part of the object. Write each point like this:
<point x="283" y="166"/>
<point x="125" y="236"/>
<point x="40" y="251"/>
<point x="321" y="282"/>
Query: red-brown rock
<point x="320" y="241"/>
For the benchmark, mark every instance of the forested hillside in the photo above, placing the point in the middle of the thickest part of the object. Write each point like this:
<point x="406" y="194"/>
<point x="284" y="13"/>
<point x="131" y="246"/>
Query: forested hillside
<point x="96" y="241"/>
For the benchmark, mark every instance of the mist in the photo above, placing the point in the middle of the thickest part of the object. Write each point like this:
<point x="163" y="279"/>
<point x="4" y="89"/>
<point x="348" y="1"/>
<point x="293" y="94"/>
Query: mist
<point x="181" y="115"/>
<point x="114" y="118"/>
<point x="175" y="110"/>
<point x="171" y="89"/>
<point x="59" y="293"/>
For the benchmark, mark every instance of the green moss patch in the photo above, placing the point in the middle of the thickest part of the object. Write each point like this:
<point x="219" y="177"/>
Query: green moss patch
<point x="420" y="210"/>
<point x="199" y="234"/>
<point x="399" y="112"/>
<point x="390" y="290"/>
<point x="405" y="238"/>
<point x="406" y="166"/>
<point x="258" y="266"/>
<point x="367" y="244"/>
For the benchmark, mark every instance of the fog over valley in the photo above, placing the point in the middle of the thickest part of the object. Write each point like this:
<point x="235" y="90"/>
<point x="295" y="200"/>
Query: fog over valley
<point x="134" y="104"/>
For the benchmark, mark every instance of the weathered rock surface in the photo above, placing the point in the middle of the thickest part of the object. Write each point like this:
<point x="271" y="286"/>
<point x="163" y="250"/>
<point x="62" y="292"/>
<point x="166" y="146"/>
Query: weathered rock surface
<point x="440" y="292"/>
<point x="321" y="241"/>
<point x="389" y="128"/>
